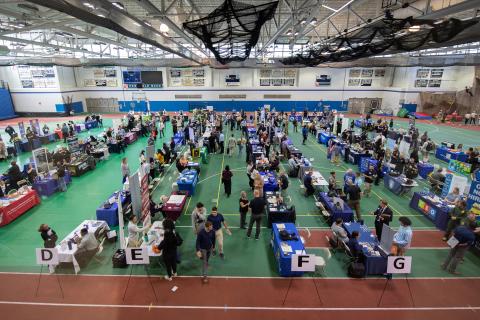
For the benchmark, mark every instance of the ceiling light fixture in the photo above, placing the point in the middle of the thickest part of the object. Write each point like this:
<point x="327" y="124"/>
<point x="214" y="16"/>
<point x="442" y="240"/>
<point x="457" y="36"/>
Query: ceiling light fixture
<point x="136" y="23"/>
<point x="313" y="21"/>
<point x="101" y="15"/>
<point x="289" y="32"/>
<point x="119" y="5"/>
<point x="303" y="21"/>
<point x="147" y="23"/>
<point x="88" y="4"/>
<point x="296" y="33"/>
<point x="164" y="28"/>
<point x="414" y="28"/>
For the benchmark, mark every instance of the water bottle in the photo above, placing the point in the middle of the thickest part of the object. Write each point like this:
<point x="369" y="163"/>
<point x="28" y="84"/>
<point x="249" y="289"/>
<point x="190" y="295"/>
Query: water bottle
<point x="69" y="243"/>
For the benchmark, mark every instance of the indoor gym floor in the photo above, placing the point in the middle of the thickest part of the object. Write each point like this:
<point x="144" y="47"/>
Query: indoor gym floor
<point x="247" y="277"/>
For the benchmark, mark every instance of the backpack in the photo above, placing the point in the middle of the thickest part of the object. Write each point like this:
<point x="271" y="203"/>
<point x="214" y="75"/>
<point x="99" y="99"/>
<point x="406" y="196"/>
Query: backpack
<point x="356" y="270"/>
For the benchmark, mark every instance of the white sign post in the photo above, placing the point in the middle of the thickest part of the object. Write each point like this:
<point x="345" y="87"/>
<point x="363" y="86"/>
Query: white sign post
<point x="47" y="256"/>
<point x="399" y="265"/>
<point x="137" y="255"/>
<point x="303" y="262"/>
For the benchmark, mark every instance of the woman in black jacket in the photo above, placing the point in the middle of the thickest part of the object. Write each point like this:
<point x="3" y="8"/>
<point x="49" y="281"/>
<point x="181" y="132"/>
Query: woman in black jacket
<point x="227" y="180"/>
<point x="169" y="251"/>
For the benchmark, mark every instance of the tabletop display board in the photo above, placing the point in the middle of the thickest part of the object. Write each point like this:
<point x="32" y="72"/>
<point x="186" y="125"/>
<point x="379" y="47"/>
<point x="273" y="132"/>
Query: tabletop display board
<point x="40" y="158"/>
<point x="452" y="181"/>
<point x="459" y="167"/>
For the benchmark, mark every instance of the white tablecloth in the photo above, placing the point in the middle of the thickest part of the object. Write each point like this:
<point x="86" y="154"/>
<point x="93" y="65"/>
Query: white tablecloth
<point x="67" y="255"/>
<point x="155" y="236"/>
<point x="318" y="179"/>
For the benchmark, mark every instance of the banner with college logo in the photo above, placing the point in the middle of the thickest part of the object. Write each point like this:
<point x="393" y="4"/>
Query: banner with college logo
<point x="473" y="198"/>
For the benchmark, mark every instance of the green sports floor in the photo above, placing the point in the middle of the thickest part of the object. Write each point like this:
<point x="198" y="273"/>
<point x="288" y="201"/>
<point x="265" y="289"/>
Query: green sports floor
<point x="243" y="257"/>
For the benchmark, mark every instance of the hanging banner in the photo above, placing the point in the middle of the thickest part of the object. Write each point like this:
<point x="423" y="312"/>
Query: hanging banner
<point x="21" y="129"/>
<point x="36" y="125"/>
<point x="459" y="167"/>
<point x="134" y="187"/>
<point x="473" y="198"/>
<point x="121" y="231"/>
<point x="145" y="195"/>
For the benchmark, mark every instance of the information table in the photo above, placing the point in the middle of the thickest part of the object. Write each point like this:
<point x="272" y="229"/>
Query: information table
<point x="424" y="169"/>
<point x="13" y="208"/>
<point x="375" y="258"/>
<point x="154" y="237"/>
<point x="277" y="212"/>
<point x="46" y="139"/>
<point x="66" y="254"/>
<point x="187" y="181"/>
<point x="433" y="207"/>
<point x="110" y="214"/>
<point x="446" y="154"/>
<point x="324" y="137"/>
<point x="47" y="186"/>
<point x="130" y="137"/>
<point x="283" y="250"/>
<point x="91" y="124"/>
<point x="81" y="166"/>
<point x="174" y="206"/>
<point x="398" y="185"/>
<point x="318" y="180"/>
<point x="346" y="213"/>
<point x="355" y="156"/>
<point x="270" y="182"/>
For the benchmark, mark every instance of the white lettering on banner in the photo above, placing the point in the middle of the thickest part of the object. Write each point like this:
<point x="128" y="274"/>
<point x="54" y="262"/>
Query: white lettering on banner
<point x="137" y="255"/>
<point x="399" y="265"/>
<point x="47" y="256"/>
<point x="303" y="262"/>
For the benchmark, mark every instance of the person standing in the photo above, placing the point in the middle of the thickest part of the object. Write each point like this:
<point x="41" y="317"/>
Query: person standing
<point x="369" y="178"/>
<point x="134" y="232"/>
<point x="383" y="215"/>
<point x="354" y="195"/>
<point x="456" y="216"/>
<point x="205" y="245"/>
<point x="199" y="216"/>
<point x="466" y="238"/>
<point x="125" y="170"/>
<point x="61" y="176"/>
<point x="217" y="220"/>
<point x="227" y="180"/>
<point x="304" y="134"/>
<point x="308" y="184"/>
<point x="64" y="132"/>
<point x="171" y="240"/>
<point x="221" y="142"/>
<point x="243" y="208"/>
<point x="257" y="206"/>
<point x="49" y="237"/>
<point x="403" y="237"/>
<point x="232" y="144"/>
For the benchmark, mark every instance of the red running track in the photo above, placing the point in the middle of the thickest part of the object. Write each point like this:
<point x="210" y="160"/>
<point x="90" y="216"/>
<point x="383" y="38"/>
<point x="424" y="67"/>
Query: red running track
<point x="31" y="296"/>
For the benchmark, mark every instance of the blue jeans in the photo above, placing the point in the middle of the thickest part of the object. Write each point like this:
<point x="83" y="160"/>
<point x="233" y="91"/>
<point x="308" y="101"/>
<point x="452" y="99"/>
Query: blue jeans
<point x="61" y="184"/>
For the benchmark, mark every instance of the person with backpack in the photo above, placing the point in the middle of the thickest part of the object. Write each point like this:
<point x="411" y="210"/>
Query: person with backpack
<point x="171" y="240"/>
<point x="426" y="148"/>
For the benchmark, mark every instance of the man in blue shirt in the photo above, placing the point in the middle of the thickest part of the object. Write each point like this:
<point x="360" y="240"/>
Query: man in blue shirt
<point x="205" y="245"/>
<point x="466" y="238"/>
<point x="217" y="220"/>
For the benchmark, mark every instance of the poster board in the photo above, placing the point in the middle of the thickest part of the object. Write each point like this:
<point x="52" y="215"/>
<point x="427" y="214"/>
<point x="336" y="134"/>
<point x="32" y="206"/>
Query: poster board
<point x="40" y="159"/>
<point x="473" y="197"/>
<point x="452" y="181"/>
<point x="459" y="167"/>
<point x="404" y="149"/>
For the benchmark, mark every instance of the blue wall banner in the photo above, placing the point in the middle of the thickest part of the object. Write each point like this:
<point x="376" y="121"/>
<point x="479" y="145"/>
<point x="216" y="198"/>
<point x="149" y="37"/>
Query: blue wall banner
<point x="473" y="198"/>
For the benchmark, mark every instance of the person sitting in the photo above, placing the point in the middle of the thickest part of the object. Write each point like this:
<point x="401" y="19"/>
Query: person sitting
<point x="14" y="175"/>
<point x="293" y="166"/>
<point x="86" y="248"/>
<point x="411" y="170"/>
<point x="275" y="164"/>
<point x="308" y="183"/>
<point x="355" y="247"/>
<point x="283" y="181"/>
<point x="339" y="233"/>
<point x="31" y="173"/>
<point x="45" y="129"/>
<point x="437" y="180"/>
<point x="453" y="196"/>
<point x="181" y="164"/>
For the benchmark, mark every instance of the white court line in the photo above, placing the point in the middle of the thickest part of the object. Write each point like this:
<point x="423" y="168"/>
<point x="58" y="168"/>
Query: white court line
<point x="232" y="308"/>
<point x="234" y="277"/>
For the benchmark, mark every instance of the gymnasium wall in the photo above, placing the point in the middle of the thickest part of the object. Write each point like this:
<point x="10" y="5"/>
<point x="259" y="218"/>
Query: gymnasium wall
<point x="395" y="88"/>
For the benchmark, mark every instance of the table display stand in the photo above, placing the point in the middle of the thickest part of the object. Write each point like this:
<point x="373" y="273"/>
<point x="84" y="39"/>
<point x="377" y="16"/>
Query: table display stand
<point x="40" y="278"/>
<point x="389" y="278"/>
<point x="149" y="281"/>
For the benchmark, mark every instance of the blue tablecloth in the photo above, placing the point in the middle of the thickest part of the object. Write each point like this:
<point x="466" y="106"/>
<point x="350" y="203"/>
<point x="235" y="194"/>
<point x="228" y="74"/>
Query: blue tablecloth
<point x="324" y="137"/>
<point x="110" y="215"/>
<point x="178" y="138"/>
<point x="271" y="184"/>
<point x="46" y="139"/>
<point x="354" y="156"/>
<point x="346" y="214"/>
<point x="395" y="184"/>
<point x="446" y="154"/>
<point x="374" y="265"/>
<point x="48" y="186"/>
<point x="424" y="169"/>
<point x="187" y="181"/>
<point x="91" y="124"/>
<point x="257" y="151"/>
<point x="284" y="259"/>
<point x="436" y="212"/>
<point x="365" y="162"/>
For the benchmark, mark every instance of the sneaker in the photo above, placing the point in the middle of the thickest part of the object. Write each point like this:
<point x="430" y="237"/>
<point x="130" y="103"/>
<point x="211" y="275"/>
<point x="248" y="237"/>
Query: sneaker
<point x="222" y="256"/>
<point x="174" y="274"/>
<point x="205" y="279"/>
<point x="256" y="238"/>
<point x="167" y="278"/>
<point x="444" y="239"/>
